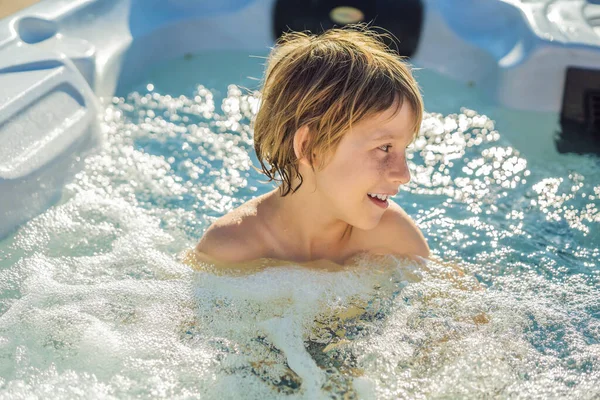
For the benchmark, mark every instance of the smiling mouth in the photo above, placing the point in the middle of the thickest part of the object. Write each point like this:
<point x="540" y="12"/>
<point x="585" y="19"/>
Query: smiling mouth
<point x="379" y="202"/>
<point x="378" y="196"/>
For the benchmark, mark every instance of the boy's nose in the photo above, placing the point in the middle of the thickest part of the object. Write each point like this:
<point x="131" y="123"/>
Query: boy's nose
<point x="400" y="173"/>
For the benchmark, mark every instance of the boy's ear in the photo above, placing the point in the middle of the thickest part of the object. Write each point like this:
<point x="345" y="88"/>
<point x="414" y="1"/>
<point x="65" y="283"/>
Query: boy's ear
<point x="301" y="138"/>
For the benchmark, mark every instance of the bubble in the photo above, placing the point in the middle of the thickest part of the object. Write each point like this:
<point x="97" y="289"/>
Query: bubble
<point x="96" y="301"/>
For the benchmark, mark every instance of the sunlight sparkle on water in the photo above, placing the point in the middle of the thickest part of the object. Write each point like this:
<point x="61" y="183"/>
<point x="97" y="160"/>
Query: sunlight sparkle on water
<point x="96" y="302"/>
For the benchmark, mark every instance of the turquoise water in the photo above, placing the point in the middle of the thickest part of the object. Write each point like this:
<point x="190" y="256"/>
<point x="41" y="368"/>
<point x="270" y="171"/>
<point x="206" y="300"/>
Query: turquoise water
<point x="96" y="304"/>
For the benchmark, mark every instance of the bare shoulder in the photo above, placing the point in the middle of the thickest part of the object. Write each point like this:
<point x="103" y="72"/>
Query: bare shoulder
<point x="398" y="234"/>
<point x="234" y="237"/>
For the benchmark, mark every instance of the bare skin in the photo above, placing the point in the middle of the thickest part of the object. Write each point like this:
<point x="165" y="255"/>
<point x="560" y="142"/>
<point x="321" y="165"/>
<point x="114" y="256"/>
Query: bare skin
<point x="262" y="251"/>
<point x="330" y="218"/>
<point x="246" y="234"/>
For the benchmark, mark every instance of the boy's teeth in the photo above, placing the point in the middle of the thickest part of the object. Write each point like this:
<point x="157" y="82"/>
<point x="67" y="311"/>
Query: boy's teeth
<point x="382" y="197"/>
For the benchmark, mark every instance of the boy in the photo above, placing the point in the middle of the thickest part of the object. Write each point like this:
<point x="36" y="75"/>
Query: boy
<point x="337" y="113"/>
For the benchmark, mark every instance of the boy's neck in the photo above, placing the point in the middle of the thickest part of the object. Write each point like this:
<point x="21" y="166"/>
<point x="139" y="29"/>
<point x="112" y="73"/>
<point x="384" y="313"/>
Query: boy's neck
<point x="307" y="227"/>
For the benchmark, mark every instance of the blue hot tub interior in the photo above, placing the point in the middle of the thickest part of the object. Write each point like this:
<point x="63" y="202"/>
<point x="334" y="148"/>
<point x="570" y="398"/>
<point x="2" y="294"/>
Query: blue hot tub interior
<point x="95" y="299"/>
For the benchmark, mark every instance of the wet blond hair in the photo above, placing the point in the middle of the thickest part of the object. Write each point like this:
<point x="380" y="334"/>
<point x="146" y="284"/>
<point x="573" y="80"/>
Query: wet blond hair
<point x="327" y="82"/>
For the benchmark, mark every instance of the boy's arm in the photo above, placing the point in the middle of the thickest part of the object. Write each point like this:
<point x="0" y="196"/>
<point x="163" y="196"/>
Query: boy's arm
<point x="404" y="238"/>
<point x="408" y="240"/>
<point x="223" y="248"/>
<point x="400" y="235"/>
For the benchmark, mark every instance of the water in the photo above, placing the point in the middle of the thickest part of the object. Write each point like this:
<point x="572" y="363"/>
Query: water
<point x="96" y="304"/>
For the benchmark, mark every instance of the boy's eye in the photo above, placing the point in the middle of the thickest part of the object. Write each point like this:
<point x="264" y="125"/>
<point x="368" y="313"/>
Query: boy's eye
<point x="385" y="147"/>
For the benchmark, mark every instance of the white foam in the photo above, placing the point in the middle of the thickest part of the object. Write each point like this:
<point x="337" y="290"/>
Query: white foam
<point x="96" y="305"/>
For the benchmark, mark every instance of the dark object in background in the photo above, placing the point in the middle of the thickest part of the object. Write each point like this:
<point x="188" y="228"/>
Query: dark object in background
<point x="580" y="113"/>
<point x="403" y="18"/>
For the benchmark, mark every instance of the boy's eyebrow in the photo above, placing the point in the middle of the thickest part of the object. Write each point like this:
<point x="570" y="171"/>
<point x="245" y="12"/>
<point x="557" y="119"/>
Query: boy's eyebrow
<point x="385" y="135"/>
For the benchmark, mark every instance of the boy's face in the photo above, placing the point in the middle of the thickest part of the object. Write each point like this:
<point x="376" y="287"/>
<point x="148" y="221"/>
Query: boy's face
<point x="370" y="158"/>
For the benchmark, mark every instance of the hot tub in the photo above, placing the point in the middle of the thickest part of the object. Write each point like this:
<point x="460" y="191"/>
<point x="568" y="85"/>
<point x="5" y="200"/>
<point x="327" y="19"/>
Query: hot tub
<point x="61" y="57"/>
<point x="126" y="132"/>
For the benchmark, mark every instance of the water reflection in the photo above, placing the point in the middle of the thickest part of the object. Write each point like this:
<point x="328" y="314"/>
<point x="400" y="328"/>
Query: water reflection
<point x="95" y="299"/>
